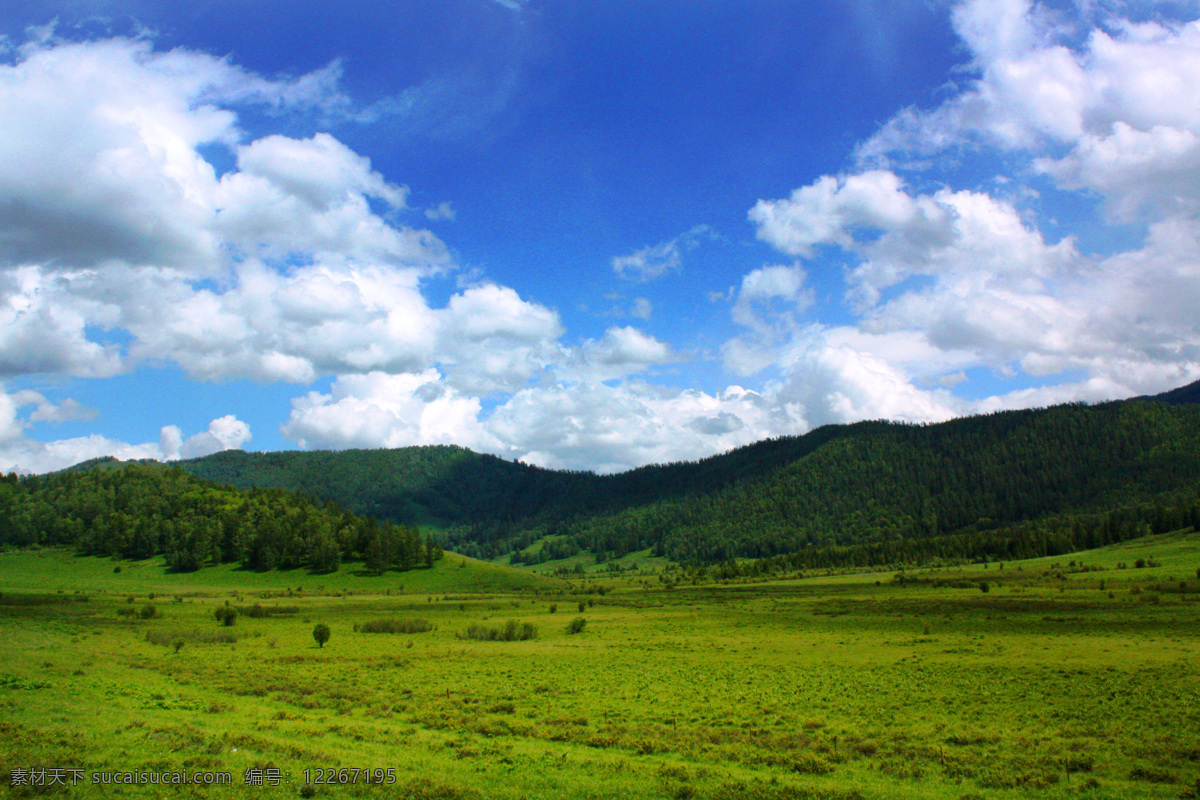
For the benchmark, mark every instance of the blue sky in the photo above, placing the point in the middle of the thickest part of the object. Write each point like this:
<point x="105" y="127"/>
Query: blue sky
<point x="580" y="235"/>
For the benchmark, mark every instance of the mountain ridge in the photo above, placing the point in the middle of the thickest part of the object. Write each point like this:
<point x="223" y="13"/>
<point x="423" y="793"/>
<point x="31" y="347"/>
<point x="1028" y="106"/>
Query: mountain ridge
<point x="999" y="483"/>
<point x="835" y="486"/>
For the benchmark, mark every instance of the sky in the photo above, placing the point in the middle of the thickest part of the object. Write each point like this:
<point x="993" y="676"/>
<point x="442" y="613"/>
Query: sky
<point x="584" y="235"/>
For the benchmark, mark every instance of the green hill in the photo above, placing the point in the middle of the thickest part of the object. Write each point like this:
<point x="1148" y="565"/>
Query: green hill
<point x="1017" y="483"/>
<point x="137" y="511"/>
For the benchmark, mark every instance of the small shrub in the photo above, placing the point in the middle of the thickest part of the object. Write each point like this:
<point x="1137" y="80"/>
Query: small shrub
<point x="177" y="644"/>
<point x="148" y="611"/>
<point x="553" y="609"/>
<point x="582" y="606"/>
<point x="577" y="625"/>
<point x="321" y="634"/>
<point x="808" y="764"/>
<point x="1153" y="775"/>
<point x="1075" y="764"/>
<point x="983" y="587"/>
<point x="226" y="615"/>
<point x="117" y="569"/>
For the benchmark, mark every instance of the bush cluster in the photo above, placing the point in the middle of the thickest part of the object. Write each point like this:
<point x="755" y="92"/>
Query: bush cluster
<point x="168" y="638"/>
<point x="396" y="626"/>
<point x="512" y="631"/>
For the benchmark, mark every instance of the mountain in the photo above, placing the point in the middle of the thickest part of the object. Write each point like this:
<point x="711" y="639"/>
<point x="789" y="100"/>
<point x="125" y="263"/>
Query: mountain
<point x="140" y="510"/>
<point x="1182" y="396"/>
<point x="1003" y="485"/>
<point x="840" y="486"/>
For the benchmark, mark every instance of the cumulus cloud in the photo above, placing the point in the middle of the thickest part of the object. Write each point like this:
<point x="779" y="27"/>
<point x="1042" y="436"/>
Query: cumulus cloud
<point x="21" y="454"/>
<point x="1116" y="95"/>
<point x="950" y="279"/>
<point x="383" y="410"/>
<point x="620" y="352"/>
<point x="225" y="433"/>
<point x="43" y="320"/>
<point x="106" y="202"/>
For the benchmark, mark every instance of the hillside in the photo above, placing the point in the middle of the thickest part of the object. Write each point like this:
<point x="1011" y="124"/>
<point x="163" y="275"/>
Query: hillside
<point x="451" y="486"/>
<point x="1017" y="483"/>
<point x="837" y="487"/>
<point x="1000" y="484"/>
<point x="138" y="511"/>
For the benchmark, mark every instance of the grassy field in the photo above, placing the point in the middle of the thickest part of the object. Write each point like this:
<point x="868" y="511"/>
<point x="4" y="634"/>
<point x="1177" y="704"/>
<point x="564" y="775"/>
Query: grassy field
<point x="1067" y="677"/>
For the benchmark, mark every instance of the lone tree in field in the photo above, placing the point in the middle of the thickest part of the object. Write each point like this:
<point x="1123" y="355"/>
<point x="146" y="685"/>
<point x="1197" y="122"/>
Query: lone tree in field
<point x="226" y="615"/>
<point x="321" y="634"/>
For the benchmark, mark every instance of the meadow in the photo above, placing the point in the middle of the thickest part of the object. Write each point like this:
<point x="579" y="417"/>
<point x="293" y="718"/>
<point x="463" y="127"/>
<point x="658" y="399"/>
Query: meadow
<point x="1054" y="678"/>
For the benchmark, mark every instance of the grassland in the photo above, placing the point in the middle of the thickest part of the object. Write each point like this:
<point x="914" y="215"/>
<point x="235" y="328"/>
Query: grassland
<point x="1067" y="677"/>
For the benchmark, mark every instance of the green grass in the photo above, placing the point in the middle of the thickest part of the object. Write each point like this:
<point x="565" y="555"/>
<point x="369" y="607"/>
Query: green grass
<point x="850" y="686"/>
<point x="55" y="570"/>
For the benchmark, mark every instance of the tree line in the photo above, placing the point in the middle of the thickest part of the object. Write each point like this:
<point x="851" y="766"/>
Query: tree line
<point x="138" y="511"/>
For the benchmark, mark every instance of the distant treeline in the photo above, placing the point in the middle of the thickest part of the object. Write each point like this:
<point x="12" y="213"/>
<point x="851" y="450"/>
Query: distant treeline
<point x="1049" y="536"/>
<point x="137" y="511"/>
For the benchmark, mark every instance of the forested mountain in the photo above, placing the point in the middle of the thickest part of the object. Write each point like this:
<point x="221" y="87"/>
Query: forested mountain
<point x="1000" y="485"/>
<point x="141" y="510"/>
<point x="836" y="487"/>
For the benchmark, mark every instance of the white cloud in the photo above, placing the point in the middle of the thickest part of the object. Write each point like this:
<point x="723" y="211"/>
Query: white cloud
<point x="21" y="454"/>
<point x="954" y="280"/>
<point x="595" y="426"/>
<point x="43" y="316"/>
<point x="943" y="281"/>
<point x="620" y="352"/>
<point x="112" y="215"/>
<point x="310" y="197"/>
<point x="641" y="308"/>
<point x="770" y="295"/>
<point x="442" y="211"/>
<point x="828" y="211"/>
<point x="382" y="410"/>
<point x="67" y="411"/>
<point x="576" y="425"/>
<point x="656" y="261"/>
<point x="1118" y="99"/>
<point x="99" y="159"/>
<point x="830" y="382"/>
